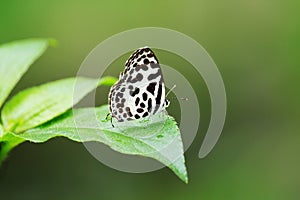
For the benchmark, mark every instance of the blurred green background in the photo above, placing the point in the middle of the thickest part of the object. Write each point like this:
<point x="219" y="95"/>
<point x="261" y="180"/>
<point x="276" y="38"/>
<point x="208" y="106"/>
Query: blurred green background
<point x="254" y="43"/>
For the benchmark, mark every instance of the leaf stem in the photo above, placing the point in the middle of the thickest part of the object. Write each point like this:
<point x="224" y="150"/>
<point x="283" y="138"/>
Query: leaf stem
<point x="7" y="143"/>
<point x="3" y="152"/>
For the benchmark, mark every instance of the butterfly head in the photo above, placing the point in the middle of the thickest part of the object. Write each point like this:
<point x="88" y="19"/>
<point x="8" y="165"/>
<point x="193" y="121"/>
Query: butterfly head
<point x="167" y="103"/>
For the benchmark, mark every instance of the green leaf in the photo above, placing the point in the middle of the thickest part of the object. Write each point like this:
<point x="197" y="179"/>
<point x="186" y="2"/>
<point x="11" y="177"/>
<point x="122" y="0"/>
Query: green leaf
<point x="107" y="81"/>
<point x="1" y="131"/>
<point x="158" y="138"/>
<point x="37" y="105"/>
<point x="15" y="59"/>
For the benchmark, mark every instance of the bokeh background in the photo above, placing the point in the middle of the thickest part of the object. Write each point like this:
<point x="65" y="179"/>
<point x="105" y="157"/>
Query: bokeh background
<point x="256" y="47"/>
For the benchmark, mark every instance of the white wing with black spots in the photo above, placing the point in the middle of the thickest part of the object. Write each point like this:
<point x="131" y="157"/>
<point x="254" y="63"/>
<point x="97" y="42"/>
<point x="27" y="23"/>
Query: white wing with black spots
<point x="142" y="56"/>
<point x="140" y="90"/>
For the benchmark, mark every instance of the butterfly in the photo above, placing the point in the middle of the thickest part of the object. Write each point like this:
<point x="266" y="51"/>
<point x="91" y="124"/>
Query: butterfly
<point x="140" y="90"/>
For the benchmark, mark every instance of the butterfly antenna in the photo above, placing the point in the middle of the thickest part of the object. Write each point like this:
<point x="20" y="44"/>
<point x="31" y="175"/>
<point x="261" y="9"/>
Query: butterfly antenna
<point x="184" y="98"/>
<point x="174" y="86"/>
<point x="181" y="98"/>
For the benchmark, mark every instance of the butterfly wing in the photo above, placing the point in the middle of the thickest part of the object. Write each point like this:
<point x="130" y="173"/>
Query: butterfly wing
<point x="142" y="56"/>
<point x="140" y="91"/>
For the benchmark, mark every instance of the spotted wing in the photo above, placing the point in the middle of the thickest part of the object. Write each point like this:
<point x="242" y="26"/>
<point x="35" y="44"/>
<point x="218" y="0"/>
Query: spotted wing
<point x="142" y="56"/>
<point x="140" y="92"/>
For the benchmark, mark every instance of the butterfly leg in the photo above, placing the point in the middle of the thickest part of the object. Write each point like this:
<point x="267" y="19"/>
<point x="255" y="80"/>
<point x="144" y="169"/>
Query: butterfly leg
<point x="107" y="118"/>
<point x="112" y="123"/>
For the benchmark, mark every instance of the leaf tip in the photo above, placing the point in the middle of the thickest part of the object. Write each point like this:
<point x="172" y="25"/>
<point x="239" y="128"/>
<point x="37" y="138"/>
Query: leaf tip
<point x="107" y="81"/>
<point x="186" y="180"/>
<point x="183" y="177"/>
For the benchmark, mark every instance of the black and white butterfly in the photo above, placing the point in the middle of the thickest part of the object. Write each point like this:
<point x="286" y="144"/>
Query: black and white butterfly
<point x="140" y="90"/>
